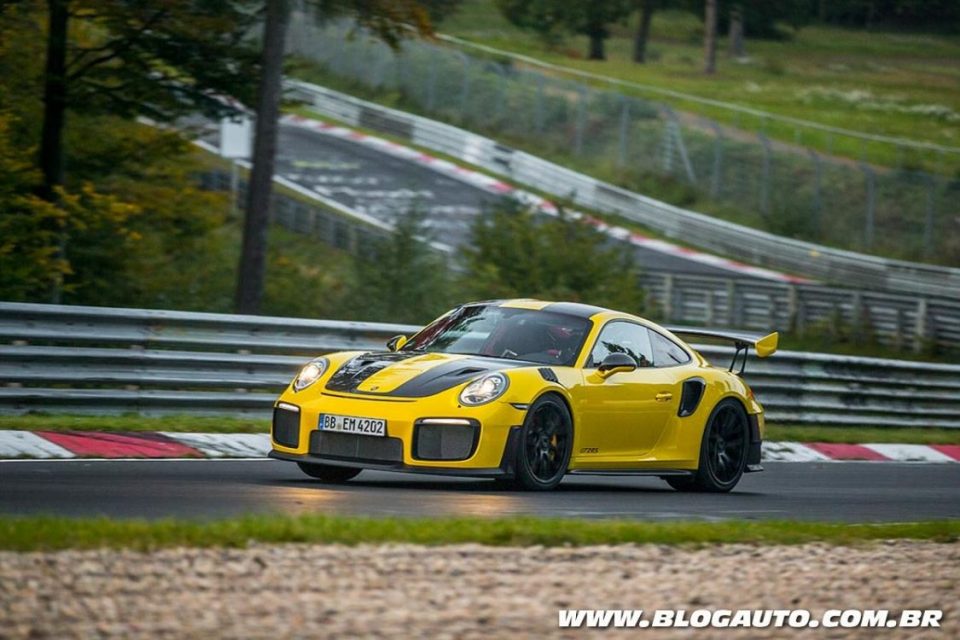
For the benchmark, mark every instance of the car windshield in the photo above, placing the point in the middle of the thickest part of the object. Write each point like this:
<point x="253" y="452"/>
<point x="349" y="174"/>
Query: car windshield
<point x="542" y="337"/>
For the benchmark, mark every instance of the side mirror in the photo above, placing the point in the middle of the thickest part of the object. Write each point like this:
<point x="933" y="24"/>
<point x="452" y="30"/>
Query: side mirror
<point x="396" y="343"/>
<point x="616" y="363"/>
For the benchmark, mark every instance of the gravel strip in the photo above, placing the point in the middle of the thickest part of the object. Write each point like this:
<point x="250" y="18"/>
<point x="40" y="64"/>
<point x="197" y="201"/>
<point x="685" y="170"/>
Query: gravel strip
<point x="465" y="591"/>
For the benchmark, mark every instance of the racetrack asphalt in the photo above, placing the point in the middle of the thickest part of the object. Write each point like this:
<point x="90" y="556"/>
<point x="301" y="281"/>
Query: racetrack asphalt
<point x="383" y="186"/>
<point x="847" y="492"/>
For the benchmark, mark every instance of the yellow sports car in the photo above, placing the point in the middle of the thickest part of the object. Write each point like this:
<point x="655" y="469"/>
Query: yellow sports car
<point x="528" y="391"/>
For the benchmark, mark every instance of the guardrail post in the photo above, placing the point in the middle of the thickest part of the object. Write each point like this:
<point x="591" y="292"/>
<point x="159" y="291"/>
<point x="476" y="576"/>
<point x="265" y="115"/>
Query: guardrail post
<point x="668" y="297"/>
<point x="920" y="326"/>
<point x="732" y="309"/>
<point x="708" y="316"/>
<point x="792" y="304"/>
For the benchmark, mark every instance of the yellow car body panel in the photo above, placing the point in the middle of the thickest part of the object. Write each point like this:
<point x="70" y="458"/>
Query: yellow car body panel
<point x="626" y="422"/>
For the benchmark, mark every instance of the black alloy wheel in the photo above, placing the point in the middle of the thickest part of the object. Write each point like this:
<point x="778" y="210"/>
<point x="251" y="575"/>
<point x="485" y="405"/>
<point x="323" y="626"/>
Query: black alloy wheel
<point x="545" y="445"/>
<point x="723" y="451"/>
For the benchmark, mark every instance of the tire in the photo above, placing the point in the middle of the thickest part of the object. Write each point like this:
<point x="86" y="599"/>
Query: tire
<point x="723" y="451"/>
<point x="327" y="473"/>
<point x="546" y="441"/>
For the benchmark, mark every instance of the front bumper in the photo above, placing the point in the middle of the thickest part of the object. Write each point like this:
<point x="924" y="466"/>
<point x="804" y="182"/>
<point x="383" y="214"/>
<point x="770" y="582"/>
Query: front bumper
<point x="431" y="435"/>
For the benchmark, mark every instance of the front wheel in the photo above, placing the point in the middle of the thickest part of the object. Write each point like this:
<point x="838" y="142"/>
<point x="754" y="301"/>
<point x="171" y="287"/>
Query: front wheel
<point x="723" y="451"/>
<point x="328" y="473"/>
<point x="546" y="440"/>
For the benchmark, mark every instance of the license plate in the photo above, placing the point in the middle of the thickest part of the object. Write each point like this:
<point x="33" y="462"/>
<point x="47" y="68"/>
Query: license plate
<point x="353" y="424"/>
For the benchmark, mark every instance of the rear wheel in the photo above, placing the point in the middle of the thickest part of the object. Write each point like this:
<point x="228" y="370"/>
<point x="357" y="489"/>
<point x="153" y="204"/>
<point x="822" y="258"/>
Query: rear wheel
<point x="328" y="473"/>
<point x="723" y="451"/>
<point x="546" y="440"/>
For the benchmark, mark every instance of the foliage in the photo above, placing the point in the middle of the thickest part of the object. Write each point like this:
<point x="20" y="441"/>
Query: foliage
<point x="159" y="59"/>
<point x="400" y="278"/>
<point x="515" y="253"/>
<point x="548" y="18"/>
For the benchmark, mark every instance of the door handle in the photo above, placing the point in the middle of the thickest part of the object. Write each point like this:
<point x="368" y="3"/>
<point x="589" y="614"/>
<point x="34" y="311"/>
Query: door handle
<point x="663" y="396"/>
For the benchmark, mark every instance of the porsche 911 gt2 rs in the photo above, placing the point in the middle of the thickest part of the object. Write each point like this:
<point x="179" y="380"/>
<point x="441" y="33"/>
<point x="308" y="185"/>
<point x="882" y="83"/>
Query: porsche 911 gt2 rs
<point x="528" y="391"/>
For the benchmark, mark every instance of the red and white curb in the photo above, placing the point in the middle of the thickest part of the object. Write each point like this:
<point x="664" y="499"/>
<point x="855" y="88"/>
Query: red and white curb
<point x="47" y="445"/>
<point x="493" y="185"/>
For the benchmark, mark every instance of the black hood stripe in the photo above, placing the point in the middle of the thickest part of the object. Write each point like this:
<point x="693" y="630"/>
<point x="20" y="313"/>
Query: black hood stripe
<point x="431" y="382"/>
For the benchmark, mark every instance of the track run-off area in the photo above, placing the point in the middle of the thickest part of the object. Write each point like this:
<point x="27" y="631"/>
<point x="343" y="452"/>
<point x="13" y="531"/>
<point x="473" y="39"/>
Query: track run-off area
<point x="205" y="489"/>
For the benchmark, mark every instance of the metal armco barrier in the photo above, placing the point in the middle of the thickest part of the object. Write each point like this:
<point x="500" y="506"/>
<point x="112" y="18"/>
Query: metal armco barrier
<point x="63" y="359"/>
<point x="700" y="230"/>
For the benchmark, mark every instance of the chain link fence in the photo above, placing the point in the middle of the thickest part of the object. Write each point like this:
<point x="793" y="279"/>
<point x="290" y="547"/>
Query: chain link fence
<point x="646" y="146"/>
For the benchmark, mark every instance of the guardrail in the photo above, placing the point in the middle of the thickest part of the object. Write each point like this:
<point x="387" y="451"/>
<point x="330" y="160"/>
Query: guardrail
<point x="66" y="359"/>
<point x="700" y="230"/>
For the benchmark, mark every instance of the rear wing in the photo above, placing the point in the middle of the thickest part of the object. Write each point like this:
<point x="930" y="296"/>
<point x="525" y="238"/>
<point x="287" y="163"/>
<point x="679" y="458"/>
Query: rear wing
<point x="764" y="345"/>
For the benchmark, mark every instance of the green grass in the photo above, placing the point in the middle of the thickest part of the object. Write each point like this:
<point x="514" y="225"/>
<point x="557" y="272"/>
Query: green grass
<point x="133" y="422"/>
<point x="857" y="435"/>
<point x="185" y="423"/>
<point x="53" y="533"/>
<point x="865" y="81"/>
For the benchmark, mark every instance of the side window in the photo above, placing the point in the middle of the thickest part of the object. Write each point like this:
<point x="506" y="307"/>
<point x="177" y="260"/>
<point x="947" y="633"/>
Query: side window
<point x="667" y="353"/>
<point x="623" y="337"/>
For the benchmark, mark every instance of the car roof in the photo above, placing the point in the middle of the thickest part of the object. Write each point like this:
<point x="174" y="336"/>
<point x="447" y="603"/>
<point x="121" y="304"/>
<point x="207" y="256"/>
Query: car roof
<point x="576" y="309"/>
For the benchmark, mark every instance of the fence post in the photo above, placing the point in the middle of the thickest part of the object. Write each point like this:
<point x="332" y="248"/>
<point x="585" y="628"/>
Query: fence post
<point x="581" y="119"/>
<point x="817" y="191"/>
<point x="765" y="181"/>
<point x="538" y="104"/>
<point x="715" y="182"/>
<point x="464" y="87"/>
<point x="929" y="219"/>
<point x="432" y="87"/>
<point x="868" y="228"/>
<point x="624" y="130"/>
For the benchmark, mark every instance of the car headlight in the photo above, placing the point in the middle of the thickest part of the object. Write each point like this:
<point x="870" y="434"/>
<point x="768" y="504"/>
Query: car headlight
<point x="484" y="389"/>
<point x="310" y="374"/>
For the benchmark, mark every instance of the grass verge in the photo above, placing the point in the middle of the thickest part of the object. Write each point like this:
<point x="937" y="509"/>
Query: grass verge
<point x="133" y="422"/>
<point x="50" y="533"/>
<point x="186" y="423"/>
<point x="855" y="435"/>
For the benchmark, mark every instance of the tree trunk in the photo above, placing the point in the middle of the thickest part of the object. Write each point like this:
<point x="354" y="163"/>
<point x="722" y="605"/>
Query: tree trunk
<point x="54" y="100"/>
<point x="736" y="31"/>
<point x="643" y="32"/>
<point x="596" y="45"/>
<point x="710" y="38"/>
<point x="254" y="253"/>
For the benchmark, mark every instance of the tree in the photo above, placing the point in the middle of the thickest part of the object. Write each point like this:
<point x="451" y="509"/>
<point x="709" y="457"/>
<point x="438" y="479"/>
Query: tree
<point x="642" y="35"/>
<point x="710" y="37"/>
<point x="136" y="57"/>
<point x="548" y="17"/>
<point x="401" y="279"/>
<point x="735" y="32"/>
<point x="516" y="253"/>
<point x="387" y="19"/>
